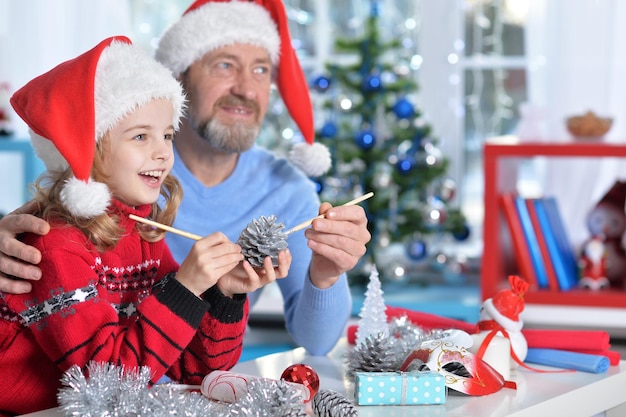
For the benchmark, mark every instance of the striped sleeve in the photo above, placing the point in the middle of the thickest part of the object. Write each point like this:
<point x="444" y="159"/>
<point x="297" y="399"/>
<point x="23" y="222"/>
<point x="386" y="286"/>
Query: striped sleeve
<point x="73" y="321"/>
<point x="219" y="340"/>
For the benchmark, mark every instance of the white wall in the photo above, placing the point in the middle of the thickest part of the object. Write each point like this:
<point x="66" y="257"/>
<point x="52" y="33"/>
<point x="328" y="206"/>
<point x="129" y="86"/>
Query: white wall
<point x="11" y="181"/>
<point x="35" y="36"/>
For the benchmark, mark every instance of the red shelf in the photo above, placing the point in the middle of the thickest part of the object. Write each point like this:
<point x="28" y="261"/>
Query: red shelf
<point x="498" y="259"/>
<point x="504" y="148"/>
<point x="612" y="298"/>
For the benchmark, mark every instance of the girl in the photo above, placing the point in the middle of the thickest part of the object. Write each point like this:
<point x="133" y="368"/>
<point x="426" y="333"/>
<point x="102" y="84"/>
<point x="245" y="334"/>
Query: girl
<point x="104" y="123"/>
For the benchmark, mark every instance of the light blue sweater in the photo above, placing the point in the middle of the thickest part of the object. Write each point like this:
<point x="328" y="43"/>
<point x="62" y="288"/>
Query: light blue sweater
<point x="262" y="185"/>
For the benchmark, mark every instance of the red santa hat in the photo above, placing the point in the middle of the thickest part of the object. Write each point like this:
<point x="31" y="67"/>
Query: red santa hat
<point x="71" y="107"/>
<point x="506" y="306"/>
<point x="211" y="24"/>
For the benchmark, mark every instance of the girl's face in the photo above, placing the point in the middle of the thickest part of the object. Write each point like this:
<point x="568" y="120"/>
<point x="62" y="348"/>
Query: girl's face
<point x="138" y="154"/>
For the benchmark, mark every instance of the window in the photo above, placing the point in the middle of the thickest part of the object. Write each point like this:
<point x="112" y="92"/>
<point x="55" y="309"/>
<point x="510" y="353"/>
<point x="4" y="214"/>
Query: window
<point x="494" y="74"/>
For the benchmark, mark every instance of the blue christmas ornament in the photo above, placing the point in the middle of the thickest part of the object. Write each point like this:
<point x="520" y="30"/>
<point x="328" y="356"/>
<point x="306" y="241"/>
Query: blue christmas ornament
<point x="319" y="185"/>
<point x="329" y="130"/>
<point x="462" y="234"/>
<point x="403" y="109"/>
<point x="321" y="83"/>
<point x="416" y="249"/>
<point x="365" y="139"/>
<point x="375" y="11"/>
<point x="372" y="83"/>
<point x="405" y="165"/>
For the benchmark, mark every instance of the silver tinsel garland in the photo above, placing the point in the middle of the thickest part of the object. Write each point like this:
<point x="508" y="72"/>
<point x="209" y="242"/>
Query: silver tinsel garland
<point x="262" y="237"/>
<point x="114" y="391"/>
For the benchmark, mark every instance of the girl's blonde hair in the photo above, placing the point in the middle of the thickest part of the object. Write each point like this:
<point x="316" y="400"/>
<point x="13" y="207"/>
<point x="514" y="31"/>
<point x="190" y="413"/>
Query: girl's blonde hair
<point x="103" y="230"/>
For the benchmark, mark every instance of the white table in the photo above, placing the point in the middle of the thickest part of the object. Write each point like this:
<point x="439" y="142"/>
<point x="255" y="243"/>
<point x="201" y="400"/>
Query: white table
<point x="538" y="394"/>
<point x="574" y="394"/>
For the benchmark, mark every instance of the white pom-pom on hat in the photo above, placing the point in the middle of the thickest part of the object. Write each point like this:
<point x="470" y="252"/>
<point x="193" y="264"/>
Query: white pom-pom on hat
<point x="313" y="159"/>
<point x="69" y="108"/>
<point x="85" y="199"/>
<point x="208" y="25"/>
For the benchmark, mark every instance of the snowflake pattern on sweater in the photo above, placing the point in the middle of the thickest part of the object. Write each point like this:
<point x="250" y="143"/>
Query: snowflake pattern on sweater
<point x="56" y="303"/>
<point x="123" y="306"/>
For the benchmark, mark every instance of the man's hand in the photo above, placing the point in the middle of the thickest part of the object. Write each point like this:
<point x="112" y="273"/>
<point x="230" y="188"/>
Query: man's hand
<point x="337" y="241"/>
<point x="18" y="261"/>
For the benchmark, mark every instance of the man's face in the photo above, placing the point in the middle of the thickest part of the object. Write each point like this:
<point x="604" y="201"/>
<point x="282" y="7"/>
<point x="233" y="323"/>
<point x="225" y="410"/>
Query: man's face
<point x="228" y="91"/>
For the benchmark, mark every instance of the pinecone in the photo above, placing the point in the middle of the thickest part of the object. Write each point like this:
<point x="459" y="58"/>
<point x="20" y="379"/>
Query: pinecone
<point x="328" y="403"/>
<point x="375" y="354"/>
<point x="262" y="237"/>
<point x="293" y="412"/>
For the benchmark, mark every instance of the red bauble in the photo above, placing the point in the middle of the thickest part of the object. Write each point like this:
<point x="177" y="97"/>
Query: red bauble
<point x="301" y="373"/>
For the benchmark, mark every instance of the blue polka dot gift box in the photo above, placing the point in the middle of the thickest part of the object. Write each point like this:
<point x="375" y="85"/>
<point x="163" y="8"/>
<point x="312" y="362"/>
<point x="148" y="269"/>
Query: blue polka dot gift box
<point x="399" y="388"/>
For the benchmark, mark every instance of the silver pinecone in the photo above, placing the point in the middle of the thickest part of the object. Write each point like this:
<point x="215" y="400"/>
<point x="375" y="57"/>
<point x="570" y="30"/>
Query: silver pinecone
<point x="329" y="403"/>
<point x="376" y="354"/>
<point x="262" y="237"/>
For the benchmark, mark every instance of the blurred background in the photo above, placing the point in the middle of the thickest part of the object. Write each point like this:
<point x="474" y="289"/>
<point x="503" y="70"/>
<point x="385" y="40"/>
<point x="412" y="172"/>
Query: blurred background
<point x="439" y="79"/>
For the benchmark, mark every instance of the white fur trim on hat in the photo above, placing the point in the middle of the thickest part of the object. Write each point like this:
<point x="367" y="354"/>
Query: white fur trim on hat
<point x="128" y="78"/>
<point x="85" y="199"/>
<point x="212" y="26"/>
<point x="314" y="160"/>
<point x="507" y="323"/>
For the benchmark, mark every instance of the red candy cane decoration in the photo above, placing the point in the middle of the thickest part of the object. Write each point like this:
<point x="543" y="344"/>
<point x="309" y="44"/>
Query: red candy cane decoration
<point x="230" y="387"/>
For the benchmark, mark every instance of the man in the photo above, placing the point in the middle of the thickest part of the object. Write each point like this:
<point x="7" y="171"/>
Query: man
<point x="226" y="55"/>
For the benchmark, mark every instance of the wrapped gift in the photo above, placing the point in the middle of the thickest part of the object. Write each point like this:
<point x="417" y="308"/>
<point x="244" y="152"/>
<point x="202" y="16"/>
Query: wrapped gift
<point x="399" y="388"/>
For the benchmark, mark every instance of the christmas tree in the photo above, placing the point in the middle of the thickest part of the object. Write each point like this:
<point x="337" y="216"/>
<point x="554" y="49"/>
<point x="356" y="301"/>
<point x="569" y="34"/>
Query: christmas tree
<point x="381" y="143"/>
<point x="373" y="312"/>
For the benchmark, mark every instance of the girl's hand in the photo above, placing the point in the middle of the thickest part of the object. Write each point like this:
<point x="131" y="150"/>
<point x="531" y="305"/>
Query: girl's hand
<point x="246" y="278"/>
<point x="208" y="260"/>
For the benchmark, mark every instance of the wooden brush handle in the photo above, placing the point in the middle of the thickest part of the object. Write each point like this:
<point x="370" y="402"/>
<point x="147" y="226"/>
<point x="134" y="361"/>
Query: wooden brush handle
<point x="321" y="216"/>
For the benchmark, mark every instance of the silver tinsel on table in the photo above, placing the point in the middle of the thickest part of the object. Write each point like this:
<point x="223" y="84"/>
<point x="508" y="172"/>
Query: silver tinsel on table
<point x="114" y="391"/>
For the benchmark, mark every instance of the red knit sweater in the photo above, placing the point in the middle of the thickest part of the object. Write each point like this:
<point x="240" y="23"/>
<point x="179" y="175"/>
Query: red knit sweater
<point x="105" y="307"/>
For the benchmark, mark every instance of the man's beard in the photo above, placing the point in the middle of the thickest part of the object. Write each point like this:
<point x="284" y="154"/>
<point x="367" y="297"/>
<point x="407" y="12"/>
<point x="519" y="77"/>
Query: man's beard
<point x="230" y="138"/>
<point x="234" y="138"/>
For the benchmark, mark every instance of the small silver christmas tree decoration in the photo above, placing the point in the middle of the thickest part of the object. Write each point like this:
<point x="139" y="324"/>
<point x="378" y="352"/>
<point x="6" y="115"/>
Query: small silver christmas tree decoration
<point x="373" y="313"/>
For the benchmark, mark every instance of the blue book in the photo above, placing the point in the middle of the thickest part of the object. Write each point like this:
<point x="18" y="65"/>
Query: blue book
<point x="560" y="261"/>
<point x="533" y="244"/>
<point x="566" y="250"/>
